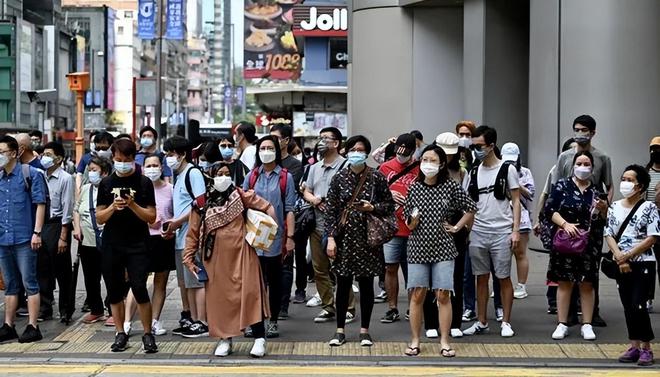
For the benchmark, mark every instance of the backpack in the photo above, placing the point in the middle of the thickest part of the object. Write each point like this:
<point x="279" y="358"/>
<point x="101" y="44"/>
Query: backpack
<point x="186" y="179"/>
<point x="500" y="190"/>
<point x="27" y="180"/>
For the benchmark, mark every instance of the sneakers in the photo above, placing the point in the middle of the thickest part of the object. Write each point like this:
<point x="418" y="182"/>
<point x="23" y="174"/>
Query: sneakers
<point x="248" y="332"/>
<point x="499" y="314"/>
<point x="350" y="317"/>
<point x="273" y="330"/>
<point x="356" y="289"/>
<point x="93" y="318"/>
<point x="365" y="340"/>
<point x="432" y="333"/>
<point x="630" y="356"/>
<point x="120" y="344"/>
<point x="645" y="358"/>
<point x="185" y="324"/>
<point x="197" y="330"/>
<point x="325" y="316"/>
<point x="455" y="333"/>
<point x="520" y="291"/>
<point x="8" y="333"/>
<point x="391" y="316"/>
<point x="506" y="330"/>
<point x="476" y="328"/>
<point x="299" y="298"/>
<point x="110" y="322"/>
<point x="407" y="316"/>
<point x="259" y="348"/>
<point x="314" y="301"/>
<point x="128" y="327"/>
<point x="381" y="297"/>
<point x="157" y="328"/>
<point x="31" y="334"/>
<point x="598" y="321"/>
<point x="587" y="332"/>
<point x="552" y="310"/>
<point x="649" y="306"/>
<point x="338" y="340"/>
<point x="284" y="315"/>
<point x="149" y="343"/>
<point x="224" y="348"/>
<point x="469" y="315"/>
<point x="560" y="332"/>
<point x="23" y="312"/>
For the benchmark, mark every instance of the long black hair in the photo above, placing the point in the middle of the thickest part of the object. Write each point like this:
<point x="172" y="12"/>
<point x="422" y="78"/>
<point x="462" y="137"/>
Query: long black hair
<point x="443" y="174"/>
<point x="278" y="152"/>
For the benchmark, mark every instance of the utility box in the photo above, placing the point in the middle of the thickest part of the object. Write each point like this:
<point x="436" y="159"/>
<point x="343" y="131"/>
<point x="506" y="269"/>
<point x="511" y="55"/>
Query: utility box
<point x="78" y="81"/>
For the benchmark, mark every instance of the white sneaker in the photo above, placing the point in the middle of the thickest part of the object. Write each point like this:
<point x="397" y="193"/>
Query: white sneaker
<point x="259" y="348"/>
<point x="520" y="291"/>
<point x="157" y="328"/>
<point x="127" y="328"/>
<point x="224" y="348"/>
<point x="456" y="333"/>
<point x="349" y="317"/>
<point x="499" y="314"/>
<point x="560" y="332"/>
<point x="492" y="294"/>
<point x="588" y="332"/>
<point x="314" y="301"/>
<point x="507" y="331"/>
<point x="356" y="289"/>
<point x="432" y="333"/>
<point x="476" y="328"/>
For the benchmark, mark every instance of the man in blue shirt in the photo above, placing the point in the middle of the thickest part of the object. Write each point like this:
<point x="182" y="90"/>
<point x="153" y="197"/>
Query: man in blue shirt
<point x="189" y="188"/>
<point x="20" y="237"/>
<point x="149" y="143"/>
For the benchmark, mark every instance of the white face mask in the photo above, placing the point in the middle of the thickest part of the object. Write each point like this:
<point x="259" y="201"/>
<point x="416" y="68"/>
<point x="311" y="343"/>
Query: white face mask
<point x="146" y="142"/>
<point x="465" y="142"/>
<point x="94" y="178"/>
<point x="173" y="162"/>
<point x="627" y="189"/>
<point x="429" y="169"/>
<point x="107" y="154"/>
<point x="267" y="156"/>
<point x="582" y="172"/>
<point x="47" y="162"/>
<point x="153" y="173"/>
<point x="222" y="183"/>
<point x="298" y="157"/>
<point x="4" y="160"/>
<point x="124" y="167"/>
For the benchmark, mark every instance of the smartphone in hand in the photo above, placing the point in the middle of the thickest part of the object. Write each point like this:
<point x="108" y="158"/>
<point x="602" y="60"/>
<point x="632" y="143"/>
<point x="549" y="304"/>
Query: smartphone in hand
<point x="202" y="276"/>
<point x="165" y="226"/>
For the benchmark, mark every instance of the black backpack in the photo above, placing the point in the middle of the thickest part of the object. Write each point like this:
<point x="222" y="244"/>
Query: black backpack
<point x="207" y="181"/>
<point x="501" y="189"/>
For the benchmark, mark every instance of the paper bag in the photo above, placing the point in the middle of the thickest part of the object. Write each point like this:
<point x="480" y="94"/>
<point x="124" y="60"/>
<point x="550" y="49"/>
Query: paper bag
<point x="261" y="230"/>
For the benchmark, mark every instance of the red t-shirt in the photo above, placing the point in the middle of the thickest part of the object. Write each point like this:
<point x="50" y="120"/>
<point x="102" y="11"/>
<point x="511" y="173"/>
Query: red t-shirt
<point x="401" y="185"/>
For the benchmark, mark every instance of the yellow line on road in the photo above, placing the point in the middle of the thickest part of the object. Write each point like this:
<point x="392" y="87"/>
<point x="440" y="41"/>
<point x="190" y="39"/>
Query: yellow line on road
<point x="314" y="370"/>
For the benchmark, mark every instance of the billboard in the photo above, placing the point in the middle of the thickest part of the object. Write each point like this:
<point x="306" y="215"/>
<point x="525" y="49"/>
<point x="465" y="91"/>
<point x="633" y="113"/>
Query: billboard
<point x="174" y="20"/>
<point x="320" y="21"/>
<point x="146" y="19"/>
<point x="310" y="124"/>
<point x="270" y="49"/>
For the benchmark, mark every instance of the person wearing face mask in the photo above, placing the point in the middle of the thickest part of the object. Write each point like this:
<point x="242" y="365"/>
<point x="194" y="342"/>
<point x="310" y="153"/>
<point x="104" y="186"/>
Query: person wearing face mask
<point x="245" y="138"/>
<point x="464" y="130"/>
<point x="431" y="205"/>
<point x="236" y="295"/>
<point x="228" y="151"/>
<point x="584" y="128"/>
<point x="209" y="155"/>
<point x="632" y="245"/>
<point x="88" y="234"/>
<point x="126" y="204"/>
<point x="102" y="142"/>
<point x="354" y="192"/>
<point x="275" y="184"/>
<point x="26" y="153"/>
<point x="36" y="138"/>
<point x="54" y="261"/>
<point x="400" y="172"/>
<point x="572" y="207"/>
<point x="149" y="146"/>
<point x="316" y="189"/>
<point x="419" y="141"/>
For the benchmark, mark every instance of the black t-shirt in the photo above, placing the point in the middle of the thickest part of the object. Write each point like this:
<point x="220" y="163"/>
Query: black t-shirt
<point x="124" y="227"/>
<point x="295" y="168"/>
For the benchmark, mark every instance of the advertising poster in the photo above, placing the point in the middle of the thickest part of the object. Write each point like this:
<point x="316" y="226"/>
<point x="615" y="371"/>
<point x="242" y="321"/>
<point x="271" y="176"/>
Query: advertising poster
<point x="146" y="19"/>
<point x="174" y="20"/>
<point x="270" y="49"/>
<point x="309" y="124"/>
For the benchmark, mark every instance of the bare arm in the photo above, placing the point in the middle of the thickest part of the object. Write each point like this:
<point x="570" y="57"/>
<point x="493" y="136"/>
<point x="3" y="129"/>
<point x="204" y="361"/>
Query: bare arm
<point x="147" y="214"/>
<point x="104" y="213"/>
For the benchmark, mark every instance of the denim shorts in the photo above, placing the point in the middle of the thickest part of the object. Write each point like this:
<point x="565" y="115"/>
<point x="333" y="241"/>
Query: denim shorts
<point x="438" y="275"/>
<point x="395" y="250"/>
<point x="19" y="262"/>
<point x="491" y="248"/>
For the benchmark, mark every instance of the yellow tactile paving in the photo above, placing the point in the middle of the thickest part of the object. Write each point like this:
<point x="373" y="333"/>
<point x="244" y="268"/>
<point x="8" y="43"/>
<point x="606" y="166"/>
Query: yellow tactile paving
<point x="543" y="351"/>
<point x="351" y="349"/>
<point x="76" y="334"/>
<point x="582" y="351"/>
<point x="311" y="348"/>
<point x="388" y="349"/>
<point x="163" y="347"/>
<point x="470" y="350"/>
<point x="505" y="350"/>
<point x="89" y="347"/>
<point x="613" y="351"/>
<point x="44" y="347"/>
<point x="280" y="349"/>
<point x="195" y="348"/>
<point x="14" y="347"/>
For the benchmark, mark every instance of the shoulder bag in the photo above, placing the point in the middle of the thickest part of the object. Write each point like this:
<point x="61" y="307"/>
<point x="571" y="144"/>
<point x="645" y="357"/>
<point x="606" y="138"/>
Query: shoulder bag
<point x="380" y="228"/>
<point x="564" y="244"/>
<point x="609" y="267"/>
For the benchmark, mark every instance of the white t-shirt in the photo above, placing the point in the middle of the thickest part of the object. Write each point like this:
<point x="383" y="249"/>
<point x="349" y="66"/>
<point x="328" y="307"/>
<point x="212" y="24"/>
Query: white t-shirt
<point x="644" y="223"/>
<point x="494" y="216"/>
<point x="249" y="156"/>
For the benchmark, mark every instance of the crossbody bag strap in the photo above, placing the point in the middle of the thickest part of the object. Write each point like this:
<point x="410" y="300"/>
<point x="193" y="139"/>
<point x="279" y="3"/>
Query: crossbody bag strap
<point x="625" y="223"/>
<point x="92" y="209"/>
<point x="356" y="192"/>
<point x="403" y="172"/>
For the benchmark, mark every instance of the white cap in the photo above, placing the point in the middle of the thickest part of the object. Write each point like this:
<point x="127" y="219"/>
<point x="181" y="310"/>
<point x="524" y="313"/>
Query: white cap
<point x="448" y="141"/>
<point x="510" y="152"/>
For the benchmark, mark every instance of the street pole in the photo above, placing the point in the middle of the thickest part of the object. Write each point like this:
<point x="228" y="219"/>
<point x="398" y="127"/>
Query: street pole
<point x="133" y="112"/>
<point x="91" y="66"/>
<point x="80" y="150"/>
<point x="178" y="103"/>
<point x="159" y="65"/>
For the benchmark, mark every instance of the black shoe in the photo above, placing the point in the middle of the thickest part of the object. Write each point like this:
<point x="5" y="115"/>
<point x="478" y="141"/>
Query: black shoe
<point x="408" y="315"/>
<point x="552" y="310"/>
<point x="85" y="308"/>
<point x="597" y="321"/>
<point x="196" y="330"/>
<point x="45" y="317"/>
<point x="284" y="315"/>
<point x="121" y="343"/>
<point x="8" y="333"/>
<point x="338" y="340"/>
<point x="22" y="312"/>
<point x="391" y="316"/>
<point x="149" y="343"/>
<point x="185" y="325"/>
<point x="365" y="340"/>
<point x="65" y="319"/>
<point x="31" y="334"/>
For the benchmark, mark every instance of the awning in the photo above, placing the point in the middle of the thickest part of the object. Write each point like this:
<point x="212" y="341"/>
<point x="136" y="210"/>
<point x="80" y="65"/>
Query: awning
<point x="296" y="88"/>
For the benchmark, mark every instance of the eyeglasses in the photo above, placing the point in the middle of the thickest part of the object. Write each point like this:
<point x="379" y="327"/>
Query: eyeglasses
<point x="581" y="129"/>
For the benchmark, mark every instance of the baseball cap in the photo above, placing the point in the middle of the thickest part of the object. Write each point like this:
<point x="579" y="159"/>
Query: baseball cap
<point x="510" y="152"/>
<point x="405" y="144"/>
<point x="448" y="141"/>
<point x="655" y="141"/>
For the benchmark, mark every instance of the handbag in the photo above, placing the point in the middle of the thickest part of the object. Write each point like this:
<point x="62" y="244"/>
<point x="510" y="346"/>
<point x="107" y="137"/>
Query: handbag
<point x="380" y="229"/>
<point x="609" y="267"/>
<point x="563" y="243"/>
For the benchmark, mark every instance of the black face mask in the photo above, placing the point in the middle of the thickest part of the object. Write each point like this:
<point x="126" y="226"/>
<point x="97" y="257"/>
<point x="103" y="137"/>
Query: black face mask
<point x="655" y="157"/>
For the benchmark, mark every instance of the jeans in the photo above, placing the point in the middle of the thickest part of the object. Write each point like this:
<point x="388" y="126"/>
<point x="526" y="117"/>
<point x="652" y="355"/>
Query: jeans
<point x="19" y="265"/>
<point x="633" y="291"/>
<point x="53" y="267"/>
<point x="271" y="268"/>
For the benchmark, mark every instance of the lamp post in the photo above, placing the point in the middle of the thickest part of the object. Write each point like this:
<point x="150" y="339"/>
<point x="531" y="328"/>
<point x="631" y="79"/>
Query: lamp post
<point x="79" y="83"/>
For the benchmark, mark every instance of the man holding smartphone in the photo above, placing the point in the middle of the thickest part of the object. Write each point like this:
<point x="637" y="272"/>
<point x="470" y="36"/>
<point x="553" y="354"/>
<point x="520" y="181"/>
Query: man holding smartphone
<point x="126" y="204"/>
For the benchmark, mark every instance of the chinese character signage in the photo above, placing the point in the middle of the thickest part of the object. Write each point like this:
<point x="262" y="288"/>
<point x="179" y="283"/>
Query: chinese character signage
<point x="270" y="47"/>
<point x="174" y="20"/>
<point x="146" y="19"/>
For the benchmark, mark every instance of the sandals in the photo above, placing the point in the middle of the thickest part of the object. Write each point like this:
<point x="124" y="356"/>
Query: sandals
<point x="447" y="352"/>
<point x="412" y="351"/>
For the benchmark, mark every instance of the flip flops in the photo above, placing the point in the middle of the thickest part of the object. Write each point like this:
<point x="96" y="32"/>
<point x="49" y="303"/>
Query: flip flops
<point x="447" y="352"/>
<point x="412" y="351"/>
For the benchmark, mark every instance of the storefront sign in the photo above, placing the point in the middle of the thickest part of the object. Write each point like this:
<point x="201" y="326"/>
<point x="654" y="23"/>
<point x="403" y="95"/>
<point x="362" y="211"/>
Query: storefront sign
<point x="338" y="53"/>
<point x="312" y="21"/>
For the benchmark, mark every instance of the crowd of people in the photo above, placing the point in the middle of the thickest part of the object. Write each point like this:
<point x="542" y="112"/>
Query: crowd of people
<point x="450" y="214"/>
